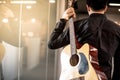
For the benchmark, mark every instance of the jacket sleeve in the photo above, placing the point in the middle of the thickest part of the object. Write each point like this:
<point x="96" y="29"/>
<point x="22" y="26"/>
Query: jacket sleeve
<point x="59" y="37"/>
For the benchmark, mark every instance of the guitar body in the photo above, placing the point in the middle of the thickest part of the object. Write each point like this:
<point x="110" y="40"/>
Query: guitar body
<point x="78" y="71"/>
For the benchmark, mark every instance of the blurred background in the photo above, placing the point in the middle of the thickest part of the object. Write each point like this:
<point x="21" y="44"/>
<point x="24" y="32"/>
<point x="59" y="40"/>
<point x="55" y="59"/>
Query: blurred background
<point x="25" y="27"/>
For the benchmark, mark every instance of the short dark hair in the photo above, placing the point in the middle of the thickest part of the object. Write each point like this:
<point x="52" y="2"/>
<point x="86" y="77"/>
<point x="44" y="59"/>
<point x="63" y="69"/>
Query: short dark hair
<point x="97" y="4"/>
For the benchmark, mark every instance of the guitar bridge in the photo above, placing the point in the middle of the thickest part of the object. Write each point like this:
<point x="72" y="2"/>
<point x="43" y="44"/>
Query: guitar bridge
<point x="80" y="78"/>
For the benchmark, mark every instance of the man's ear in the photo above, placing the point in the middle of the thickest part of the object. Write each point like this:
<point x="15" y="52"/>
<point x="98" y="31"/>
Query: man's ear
<point x="106" y="8"/>
<point x="88" y="8"/>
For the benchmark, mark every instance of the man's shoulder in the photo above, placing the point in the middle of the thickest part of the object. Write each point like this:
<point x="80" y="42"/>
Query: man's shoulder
<point x="112" y="23"/>
<point x="112" y="26"/>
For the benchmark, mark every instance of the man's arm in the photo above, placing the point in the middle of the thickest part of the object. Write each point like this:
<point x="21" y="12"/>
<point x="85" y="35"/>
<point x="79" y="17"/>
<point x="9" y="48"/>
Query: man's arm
<point x="58" y="37"/>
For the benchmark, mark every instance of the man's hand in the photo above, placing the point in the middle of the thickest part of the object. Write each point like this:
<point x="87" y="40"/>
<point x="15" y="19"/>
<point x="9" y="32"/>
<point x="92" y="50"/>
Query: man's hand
<point x="70" y="12"/>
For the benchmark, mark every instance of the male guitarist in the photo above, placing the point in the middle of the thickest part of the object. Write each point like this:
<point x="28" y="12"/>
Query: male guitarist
<point x="95" y="30"/>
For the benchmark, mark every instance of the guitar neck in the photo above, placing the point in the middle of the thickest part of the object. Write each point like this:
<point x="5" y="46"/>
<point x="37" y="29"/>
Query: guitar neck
<point x="72" y="36"/>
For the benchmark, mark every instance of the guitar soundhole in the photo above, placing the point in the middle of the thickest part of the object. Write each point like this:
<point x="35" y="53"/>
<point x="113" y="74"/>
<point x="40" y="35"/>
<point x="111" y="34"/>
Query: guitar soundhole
<point x="74" y="60"/>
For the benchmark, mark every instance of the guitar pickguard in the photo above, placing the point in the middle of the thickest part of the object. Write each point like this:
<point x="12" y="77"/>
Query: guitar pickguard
<point x="83" y="65"/>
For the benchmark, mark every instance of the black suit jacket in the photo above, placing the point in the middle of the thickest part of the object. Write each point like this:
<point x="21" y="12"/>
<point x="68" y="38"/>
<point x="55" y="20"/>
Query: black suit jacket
<point x="99" y="32"/>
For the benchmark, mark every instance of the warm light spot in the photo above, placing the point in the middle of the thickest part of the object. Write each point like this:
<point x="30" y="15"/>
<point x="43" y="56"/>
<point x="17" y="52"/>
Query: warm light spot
<point x="119" y="10"/>
<point x="23" y="34"/>
<point x="114" y="4"/>
<point x="5" y="20"/>
<point x="33" y="20"/>
<point x="30" y="34"/>
<point x="23" y="2"/>
<point x="2" y="1"/>
<point x="28" y="7"/>
<point x="51" y="1"/>
<point x="16" y="19"/>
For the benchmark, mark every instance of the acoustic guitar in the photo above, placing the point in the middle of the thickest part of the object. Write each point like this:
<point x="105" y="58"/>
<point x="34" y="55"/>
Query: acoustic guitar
<point x="78" y="69"/>
<point x="75" y="63"/>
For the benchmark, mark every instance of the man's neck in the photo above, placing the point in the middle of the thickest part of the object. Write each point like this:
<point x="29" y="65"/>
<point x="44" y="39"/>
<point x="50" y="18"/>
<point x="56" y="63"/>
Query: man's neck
<point x="91" y="11"/>
<point x="99" y="12"/>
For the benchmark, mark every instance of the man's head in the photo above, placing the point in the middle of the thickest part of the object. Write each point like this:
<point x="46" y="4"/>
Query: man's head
<point x="96" y="5"/>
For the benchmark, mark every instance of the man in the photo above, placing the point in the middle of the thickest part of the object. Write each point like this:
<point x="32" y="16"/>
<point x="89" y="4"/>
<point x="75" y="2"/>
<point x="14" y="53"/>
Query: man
<point x="100" y="32"/>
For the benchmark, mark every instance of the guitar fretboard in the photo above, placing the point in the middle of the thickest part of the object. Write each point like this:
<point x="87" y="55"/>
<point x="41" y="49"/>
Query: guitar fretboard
<point x="72" y="36"/>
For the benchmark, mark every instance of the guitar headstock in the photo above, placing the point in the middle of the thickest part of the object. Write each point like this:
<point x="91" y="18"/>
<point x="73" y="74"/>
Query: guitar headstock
<point x="71" y="3"/>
